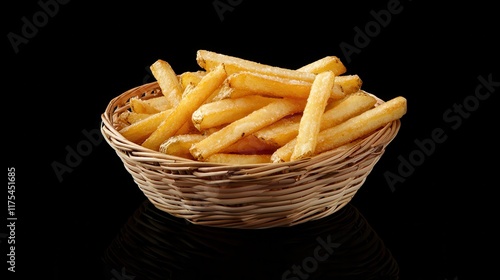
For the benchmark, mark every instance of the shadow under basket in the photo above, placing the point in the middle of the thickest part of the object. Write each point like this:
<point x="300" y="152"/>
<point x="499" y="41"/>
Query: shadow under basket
<point x="249" y="196"/>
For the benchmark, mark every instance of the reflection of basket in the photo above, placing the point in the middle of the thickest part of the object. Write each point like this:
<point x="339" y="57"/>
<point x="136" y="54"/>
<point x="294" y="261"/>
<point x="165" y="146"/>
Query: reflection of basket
<point x="155" y="245"/>
<point x="245" y="196"/>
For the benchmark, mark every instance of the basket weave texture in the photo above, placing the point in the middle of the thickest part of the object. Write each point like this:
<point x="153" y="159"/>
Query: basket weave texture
<point x="245" y="196"/>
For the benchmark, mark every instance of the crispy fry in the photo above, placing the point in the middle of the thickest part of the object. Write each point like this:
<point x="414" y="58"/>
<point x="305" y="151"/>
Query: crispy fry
<point x="327" y="63"/>
<point x="351" y="129"/>
<point x="280" y="132"/>
<point x="250" y="145"/>
<point x="268" y="85"/>
<point x="362" y="124"/>
<point x="133" y="117"/>
<point x="341" y="110"/>
<point x="239" y="159"/>
<point x="167" y="81"/>
<point x="183" y="111"/>
<point x="140" y="130"/>
<point x="248" y="83"/>
<point x="209" y="60"/>
<point x="310" y="123"/>
<point x="349" y="83"/>
<point x="140" y="106"/>
<point x="247" y="125"/>
<point x="224" y="111"/>
<point x="226" y="91"/>
<point x="338" y="111"/>
<point x="178" y="145"/>
<point x="160" y="103"/>
<point x="191" y="78"/>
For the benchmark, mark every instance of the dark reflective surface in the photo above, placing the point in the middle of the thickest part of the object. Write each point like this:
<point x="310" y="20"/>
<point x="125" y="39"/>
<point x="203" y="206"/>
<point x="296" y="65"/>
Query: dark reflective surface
<point x="155" y="245"/>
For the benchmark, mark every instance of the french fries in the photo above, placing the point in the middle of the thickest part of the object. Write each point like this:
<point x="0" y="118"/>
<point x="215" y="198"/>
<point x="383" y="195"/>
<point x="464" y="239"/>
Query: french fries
<point x="283" y="131"/>
<point x="237" y="111"/>
<point x="168" y="81"/>
<point x="237" y="159"/>
<point x="184" y="110"/>
<point x="209" y="60"/>
<point x="327" y="63"/>
<point x="245" y="126"/>
<point x="310" y="123"/>
<point x="349" y="130"/>
<point x="221" y="112"/>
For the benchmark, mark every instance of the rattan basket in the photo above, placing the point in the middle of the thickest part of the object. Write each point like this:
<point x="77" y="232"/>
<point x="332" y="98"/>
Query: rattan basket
<point x="245" y="196"/>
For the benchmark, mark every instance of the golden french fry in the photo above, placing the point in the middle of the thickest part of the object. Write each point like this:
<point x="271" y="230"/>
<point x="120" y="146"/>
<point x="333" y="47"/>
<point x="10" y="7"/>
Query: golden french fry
<point x="224" y="111"/>
<point x="245" y="126"/>
<point x="190" y="78"/>
<point x="280" y="132"/>
<point x="183" y="111"/>
<point x="167" y="81"/>
<point x="138" y="132"/>
<point x="310" y="123"/>
<point x="327" y="63"/>
<point x="351" y="129"/>
<point x="238" y="159"/>
<point x="133" y="117"/>
<point x="160" y="103"/>
<point x="349" y="83"/>
<point x="178" y="145"/>
<point x="226" y="91"/>
<point x="250" y="145"/>
<point x="248" y="83"/>
<point x="238" y="111"/>
<point x="138" y="105"/>
<point x="338" y="111"/>
<point x="361" y="125"/>
<point x="268" y="85"/>
<point x="208" y="60"/>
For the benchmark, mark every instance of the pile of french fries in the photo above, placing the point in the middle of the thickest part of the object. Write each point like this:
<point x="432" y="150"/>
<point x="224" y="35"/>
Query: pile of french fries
<point x="238" y="111"/>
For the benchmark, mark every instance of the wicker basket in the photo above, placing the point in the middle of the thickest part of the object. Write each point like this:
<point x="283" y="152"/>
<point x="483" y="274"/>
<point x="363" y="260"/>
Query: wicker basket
<point x="245" y="196"/>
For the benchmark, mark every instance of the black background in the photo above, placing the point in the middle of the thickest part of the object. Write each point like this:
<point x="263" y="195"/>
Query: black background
<point x="439" y="223"/>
